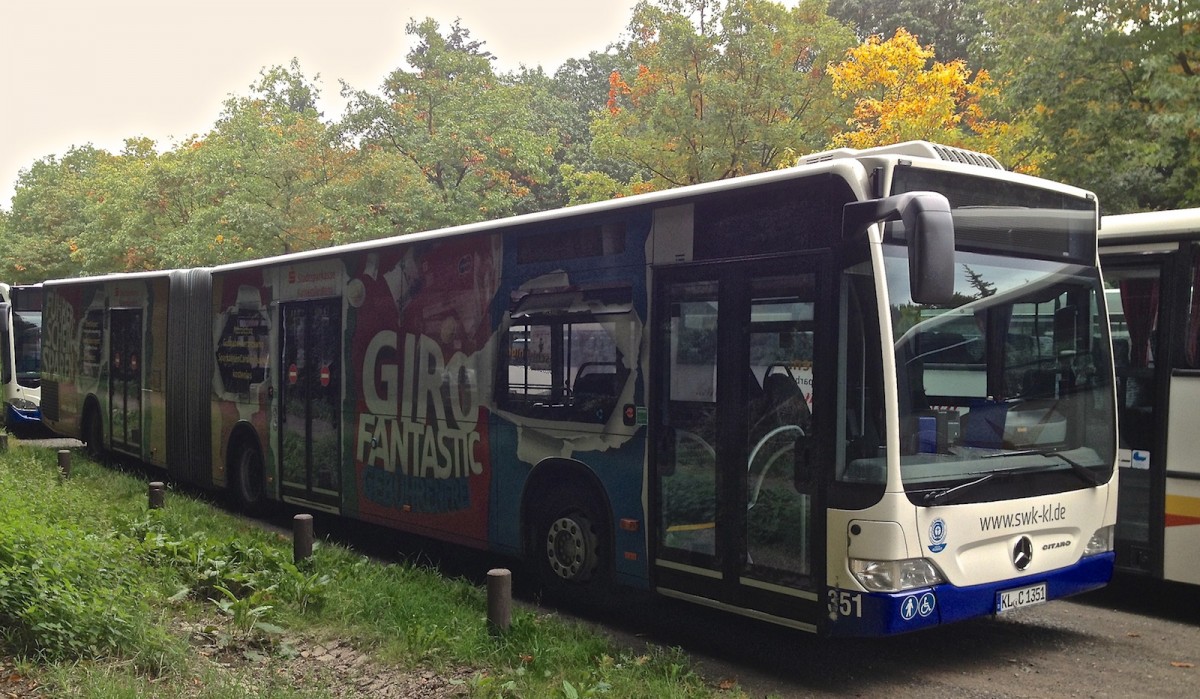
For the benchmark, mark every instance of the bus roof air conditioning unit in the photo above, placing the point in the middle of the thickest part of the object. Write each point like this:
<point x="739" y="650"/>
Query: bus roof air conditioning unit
<point x="917" y="149"/>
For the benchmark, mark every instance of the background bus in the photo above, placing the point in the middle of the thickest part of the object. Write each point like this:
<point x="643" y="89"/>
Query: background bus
<point x="1152" y="273"/>
<point x="731" y="393"/>
<point x="21" y="355"/>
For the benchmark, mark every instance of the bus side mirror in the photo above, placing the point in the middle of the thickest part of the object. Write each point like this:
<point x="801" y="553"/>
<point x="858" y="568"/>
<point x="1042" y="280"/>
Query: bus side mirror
<point x="803" y="478"/>
<point x="929" y="231"/>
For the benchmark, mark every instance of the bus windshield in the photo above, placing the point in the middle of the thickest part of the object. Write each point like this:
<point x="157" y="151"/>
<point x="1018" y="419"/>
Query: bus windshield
<point x="1004" y="391"/>
<point x="27" y="347"/>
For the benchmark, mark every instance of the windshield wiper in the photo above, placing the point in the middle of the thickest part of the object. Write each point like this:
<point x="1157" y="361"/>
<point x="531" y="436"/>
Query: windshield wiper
<point x="939" y="497"/>
<point x="1086" y="475"/>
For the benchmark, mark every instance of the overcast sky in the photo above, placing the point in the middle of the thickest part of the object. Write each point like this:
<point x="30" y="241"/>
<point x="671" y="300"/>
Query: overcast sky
<point x="100" y="71"/>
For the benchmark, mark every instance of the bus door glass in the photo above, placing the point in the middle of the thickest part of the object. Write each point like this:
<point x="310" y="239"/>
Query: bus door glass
<point x="1133" y="294"/>
<point x="736" y="368"/>
<point x="779" y="391"/>
<point x="309" y="400"/>
<point x="125" y="379"/>
<point x="6" y="350"/>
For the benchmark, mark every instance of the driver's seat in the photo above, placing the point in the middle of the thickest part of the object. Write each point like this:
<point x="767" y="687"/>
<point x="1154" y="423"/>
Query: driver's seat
<point x="785" y="403"/>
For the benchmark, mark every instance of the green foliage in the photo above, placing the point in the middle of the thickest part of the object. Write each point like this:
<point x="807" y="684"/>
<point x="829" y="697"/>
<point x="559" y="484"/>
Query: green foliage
<point x="63" y="593"/>
<point x="1112" y="90"/>
<point x="471" y="143"/>
<point x="568" y="102"/>
<point x="721" y="90"/>
<point x="947" y="25"/>
<point x="88" y="573"/>
<point x="259" y="177"/>
<point x="227" y="571"/>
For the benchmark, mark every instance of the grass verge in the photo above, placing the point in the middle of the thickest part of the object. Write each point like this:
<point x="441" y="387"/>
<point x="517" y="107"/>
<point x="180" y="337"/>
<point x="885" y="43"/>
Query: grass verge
<point x="101" y="597"/>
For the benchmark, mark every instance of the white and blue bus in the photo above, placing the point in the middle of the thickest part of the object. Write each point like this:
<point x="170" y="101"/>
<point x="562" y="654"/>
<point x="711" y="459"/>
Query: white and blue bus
<point x="1152" y="273"/>
<point x="866" y="395"/>
<point x="20" y="355"/>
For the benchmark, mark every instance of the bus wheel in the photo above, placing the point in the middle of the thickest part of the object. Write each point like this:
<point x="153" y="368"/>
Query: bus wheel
<point x="568" y="546"/>
<point x="248" y="477"/>
<point x="93" y="435"/>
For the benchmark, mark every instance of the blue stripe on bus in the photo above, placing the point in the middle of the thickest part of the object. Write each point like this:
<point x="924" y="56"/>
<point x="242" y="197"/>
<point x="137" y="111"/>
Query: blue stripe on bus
<point x="16" y="416"/>
<point x="885" y="614"/>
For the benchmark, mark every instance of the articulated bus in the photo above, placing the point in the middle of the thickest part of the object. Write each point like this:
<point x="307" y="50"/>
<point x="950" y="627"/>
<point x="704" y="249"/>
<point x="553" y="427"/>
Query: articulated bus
<point x="20" y="355"/>
<point x="1152" y="273"/>
<point x="866" y="395"/>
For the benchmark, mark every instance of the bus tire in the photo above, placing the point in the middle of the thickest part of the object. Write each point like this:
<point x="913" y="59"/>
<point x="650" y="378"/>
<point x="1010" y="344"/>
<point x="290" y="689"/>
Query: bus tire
<point x="247" y="483"/>
<point x="93" y="434"/>
<point x="569" y="546"/>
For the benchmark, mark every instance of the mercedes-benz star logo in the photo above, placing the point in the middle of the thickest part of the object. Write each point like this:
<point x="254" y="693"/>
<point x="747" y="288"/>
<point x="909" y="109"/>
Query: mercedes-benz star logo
<point x="1022" y="553"/>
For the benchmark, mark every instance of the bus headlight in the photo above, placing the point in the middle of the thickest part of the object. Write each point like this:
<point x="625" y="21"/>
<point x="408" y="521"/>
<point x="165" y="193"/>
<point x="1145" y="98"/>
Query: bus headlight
<point x="894" y="576"/>
<point x="1101" y="541"/>
<point x="23" y="404"/>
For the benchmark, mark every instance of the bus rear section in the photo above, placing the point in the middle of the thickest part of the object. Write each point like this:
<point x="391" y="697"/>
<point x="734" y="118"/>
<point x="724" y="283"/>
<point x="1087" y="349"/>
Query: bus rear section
<point x="126" y="364"/>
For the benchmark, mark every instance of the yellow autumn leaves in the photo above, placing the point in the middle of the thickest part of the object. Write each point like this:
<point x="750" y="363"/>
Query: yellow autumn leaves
<point x="900" y="94"/>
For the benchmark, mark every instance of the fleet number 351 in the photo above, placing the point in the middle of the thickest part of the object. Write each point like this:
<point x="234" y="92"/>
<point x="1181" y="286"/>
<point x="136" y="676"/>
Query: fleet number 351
<point x="845" y="603"/>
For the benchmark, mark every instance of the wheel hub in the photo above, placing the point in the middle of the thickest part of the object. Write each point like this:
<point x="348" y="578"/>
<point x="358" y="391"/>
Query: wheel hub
<point x="565" y="548"/>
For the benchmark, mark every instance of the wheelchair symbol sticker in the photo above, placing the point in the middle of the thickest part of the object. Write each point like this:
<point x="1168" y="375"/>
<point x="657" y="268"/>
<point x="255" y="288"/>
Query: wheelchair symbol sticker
<point x="927" y="604"/>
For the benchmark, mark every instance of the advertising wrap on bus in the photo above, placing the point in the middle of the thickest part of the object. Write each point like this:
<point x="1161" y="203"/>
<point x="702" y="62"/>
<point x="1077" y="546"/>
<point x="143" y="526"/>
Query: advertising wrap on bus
<point x="431" y="442"/>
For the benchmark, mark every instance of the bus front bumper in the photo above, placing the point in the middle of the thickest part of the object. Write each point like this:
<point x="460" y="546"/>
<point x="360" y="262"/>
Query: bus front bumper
<point x="19" y="417"/>
<point x="886" y="614"/>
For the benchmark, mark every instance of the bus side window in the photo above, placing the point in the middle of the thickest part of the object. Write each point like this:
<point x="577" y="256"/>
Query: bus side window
<point x="564" y="369"/>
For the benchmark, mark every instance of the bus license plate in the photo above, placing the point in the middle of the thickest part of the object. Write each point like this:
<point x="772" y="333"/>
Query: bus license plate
<point x="1007" y="600"/>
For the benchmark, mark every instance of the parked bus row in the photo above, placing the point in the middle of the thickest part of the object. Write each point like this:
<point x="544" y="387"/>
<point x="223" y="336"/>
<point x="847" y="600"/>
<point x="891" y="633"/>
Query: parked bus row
<point x="863" y="396"/>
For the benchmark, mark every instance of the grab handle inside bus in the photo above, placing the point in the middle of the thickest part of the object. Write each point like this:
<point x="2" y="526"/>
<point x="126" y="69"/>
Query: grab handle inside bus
<point x="929" y="232"/>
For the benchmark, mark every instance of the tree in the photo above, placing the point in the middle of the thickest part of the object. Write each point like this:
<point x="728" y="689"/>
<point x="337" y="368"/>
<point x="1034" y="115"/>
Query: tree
<point x="252" y="186"/>
<point x="900" y="93"/>
<point x="982" y="287"/>
<point x="471" y="136"/>
<point x="720" y="91"/>
<point x="566" y="104"/>
<point x="50" y="211"/>
<point x="948" y="25"/>
<point x="120" y="233"/>
<point x="1113" y="89"/>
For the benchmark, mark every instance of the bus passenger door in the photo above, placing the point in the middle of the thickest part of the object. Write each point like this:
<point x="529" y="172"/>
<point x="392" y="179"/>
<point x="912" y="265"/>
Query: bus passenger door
<point x="310" y="400"/>
<point x="1134" y="297"/>
<point x="736" y="349"/>
<point x="125" y="380"/>
<point x="779" y="385"/>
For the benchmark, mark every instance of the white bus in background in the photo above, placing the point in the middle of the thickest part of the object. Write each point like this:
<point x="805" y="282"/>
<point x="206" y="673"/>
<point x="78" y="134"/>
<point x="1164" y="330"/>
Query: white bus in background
<point x="20" y="355"/>
<point x="1151" y="267"/>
